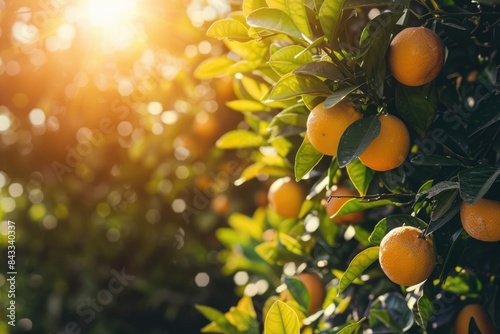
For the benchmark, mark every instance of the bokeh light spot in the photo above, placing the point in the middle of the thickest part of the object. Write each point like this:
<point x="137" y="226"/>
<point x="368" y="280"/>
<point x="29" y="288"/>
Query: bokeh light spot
<point x="15" y="190"/>
<point x="37" y="117"/>
<point x="202" y="280"/>
<point x="155" y="108"/>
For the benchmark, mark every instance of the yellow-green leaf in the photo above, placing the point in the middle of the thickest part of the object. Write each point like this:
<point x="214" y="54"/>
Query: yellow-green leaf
<point x="281" y="319"/>
<point x="213" y="67"/>
<point x="289" y="58"/>
<point x="240" y="139"/>
<point x="228" y="28"/>
<point x="360" y="176"/>
<point x="292" y="85"/>
<point x="297" y="10"/>
<point x="360" y="262"/>
<point x="306" y="159"/>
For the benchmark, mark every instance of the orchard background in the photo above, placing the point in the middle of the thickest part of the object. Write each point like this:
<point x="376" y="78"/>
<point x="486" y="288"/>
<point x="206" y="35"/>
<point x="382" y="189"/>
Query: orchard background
<point x="139" y="141"/>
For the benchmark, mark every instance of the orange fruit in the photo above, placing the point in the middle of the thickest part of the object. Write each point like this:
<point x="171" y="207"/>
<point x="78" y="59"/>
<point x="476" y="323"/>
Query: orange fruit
<point x="389" y="149"/>
<point x="221" y="204"/>
<point x="334" y="204"/>
<point x="315" y="288"/>
<point x="480" y="316"/>
<point x="481" y="219"/>
<point x="285" y="196"/>
<point x="326" y="126"/>
<point x="406" y="257"/>
<point x="416" y="56"/>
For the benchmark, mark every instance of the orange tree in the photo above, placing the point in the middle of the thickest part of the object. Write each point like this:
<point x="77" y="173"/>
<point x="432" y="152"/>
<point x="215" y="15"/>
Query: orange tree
<point x="423" y="77"/>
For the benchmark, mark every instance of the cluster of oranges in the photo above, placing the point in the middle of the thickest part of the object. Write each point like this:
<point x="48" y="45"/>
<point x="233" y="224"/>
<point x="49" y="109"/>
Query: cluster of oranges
<point x="406" y="255"/>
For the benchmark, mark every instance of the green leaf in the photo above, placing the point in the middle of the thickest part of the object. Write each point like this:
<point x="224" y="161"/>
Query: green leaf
<point x="434" y="160"/>
<point x="485" y="115"/>
<point x="338" y="96"/>
<point x="213" y="67"/>
<point x="330" y="16"/>
<point x="258" y="169"/>
<point x="455" y="253"/>
<point x="281" y="319"/>
<point x="294" y="115"/>
<point x="328" y="230"/>
<point x="426" y="309"/>
<point x="375" y="39"/>
<point x="230" y="29"/>
<point x="240" y="139"/>
<point x="291" y="244"/>
<point x="291" y="86"/>
<point x="399" y="5"/>
<point x="218" y="318"/>
<point x="275" y="20"/>
<point x="434" y="225"/>
<point x="246" y="106"/>
<point x="249" y="6"/>
<point x="393" y="311"/>
<point x="287" y="59"/>
<point x="357" y="204"/>
<point x="388" y="223"/>
<point x="442" y="203"/>
<point x="437" y="188"/>
<point x="417" y="105"/>
<point x="297" y="10"/>
<point x="356" y="139"/>
<point x="278" y="4"/>
<point x="298" y="291"/>
<point x="306" y="159"/>
<point x="352" y="328"/>
<point x="360" y="176"/>
<point x="360" y="262"/>
<point x="476" y="181"/>
<point x="324" y="69"/>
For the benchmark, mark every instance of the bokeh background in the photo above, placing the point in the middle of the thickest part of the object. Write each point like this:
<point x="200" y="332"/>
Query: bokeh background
<point x="108" y="166"/>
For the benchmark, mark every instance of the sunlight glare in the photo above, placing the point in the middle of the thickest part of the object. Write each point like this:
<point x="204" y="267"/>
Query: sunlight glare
<point x="109" y="12"/>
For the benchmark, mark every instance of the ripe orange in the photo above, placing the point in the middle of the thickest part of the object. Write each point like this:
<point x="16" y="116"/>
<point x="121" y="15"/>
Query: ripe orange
<point x="416" y="56"/>
<point x="285" y="197"/>
<point x="480" y="220"/>
<point x="405" y="257"/>
<point x="326" y="126"/>
<point x="336" y="203"/>
<point x="390" y="148"/>
<point x="315" y="288"/>
<point x="480" y="316"/>
<point x="221" y="204"/>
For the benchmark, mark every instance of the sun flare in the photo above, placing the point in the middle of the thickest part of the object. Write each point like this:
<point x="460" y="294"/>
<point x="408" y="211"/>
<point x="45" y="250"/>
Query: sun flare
<point x="109" y="12"/>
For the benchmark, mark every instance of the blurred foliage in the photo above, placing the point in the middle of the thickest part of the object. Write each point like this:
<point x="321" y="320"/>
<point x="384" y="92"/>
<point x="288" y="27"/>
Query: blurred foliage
<point x="108" y="166"/>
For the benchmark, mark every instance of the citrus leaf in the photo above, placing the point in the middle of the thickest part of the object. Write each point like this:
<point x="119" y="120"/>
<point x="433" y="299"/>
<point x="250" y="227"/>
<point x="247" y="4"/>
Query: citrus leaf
<point x="476" y="181"/>
<point x="485" y="115"/>
<point x="257" y="169"/>
<point x="249" y="6"/>
<point x="417" y="105"/>
<point x="230" y="29"/>
<point x="437" y="188"/>
<point x="434" y="160"/>
<point x="375" y="40"/>
<point x="338" y="96"/>
<point x="281" y="319"/>
<point x="442" y="203"/>
<point x="275" y="20"/>
<point x="330" y="16"/>
<point x="352" y="328"/>
<point x="356" y="204"/>
<point x="455" y="253"/>
<point x="292" y="85"/>
<point x="213" y="67"/>
<point x="434" y="225"/>
<point x="298" y="291"/>
<point x="306" y="159"/>
<point x="240" y="139"/>
<point x="324" y="69"/>
<point x="218" y="318"/>
<point x="352" y="4"/>
<point x="278" y="4"/>
<point x="356" y="139"/>
<point x="426" y="309"/>
<point x="360" y="262"/>
<point x="360" y="176"/>
<point x="246" y="106"/>
<point x="297" y="10"/>
<point x="287" y="59"/>
<point x="388" y="223"/>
